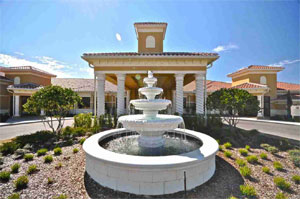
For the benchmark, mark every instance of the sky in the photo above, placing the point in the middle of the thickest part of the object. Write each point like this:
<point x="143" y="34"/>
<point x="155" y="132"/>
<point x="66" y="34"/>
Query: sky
<point x="53" y="34"/>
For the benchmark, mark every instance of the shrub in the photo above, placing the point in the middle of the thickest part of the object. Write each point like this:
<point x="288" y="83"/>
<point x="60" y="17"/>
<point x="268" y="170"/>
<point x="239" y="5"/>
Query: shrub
<point x="28" y="157"/>
<point x="269" y="148"/>
<point x="228" y="154"/>
<point x="4" y="176"/>
<point x="241" y="162"/>
<point x="83" y="120"/>
<point x="35" y="139"/>
<point x="58" y="166"/>
<point x="57" y="151"/>
<point x="247" y="147"/>
<point x="8" y="148"/>
<point x="78" y="131"/>
<point x="15" y="168"/>
<point x="81" y="141"/>
<point x="277" y="165"/>
<point x="243" y="152"/>
<point x="14" y="196"/>
<point x="263" y="156"/>
<point x="280" y="195"/>
<point x="295" y="156"/>
<point x="227" y="145"/>
<point x="281" y="183"/>
<point x="232" y="197"/>
<point x="247" y="190"/>
<point x="296" y="179"/>
<point x="266" y="169"/>
<point x="61" y="196"/>
<point x="252" y="159"/>
<point x="21" y="182"/>
<point x="48" y="159"/>
<point x="31" y="169"/>
<point x="220" y="148"/>
<point x="245" y="171"/>
<point x="75" y="150"/>
<point x="50" y="180"/>
<point x="42" y="152"/>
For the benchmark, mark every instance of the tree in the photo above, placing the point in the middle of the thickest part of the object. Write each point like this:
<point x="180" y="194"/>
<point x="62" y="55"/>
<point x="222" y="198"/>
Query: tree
<point x="232" y="103"/>
<point x="56" y="103"/>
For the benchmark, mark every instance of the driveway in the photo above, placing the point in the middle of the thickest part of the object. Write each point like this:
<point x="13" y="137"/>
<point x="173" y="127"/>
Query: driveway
<point x="281" y="130"/>
<point x="8" y="132"/>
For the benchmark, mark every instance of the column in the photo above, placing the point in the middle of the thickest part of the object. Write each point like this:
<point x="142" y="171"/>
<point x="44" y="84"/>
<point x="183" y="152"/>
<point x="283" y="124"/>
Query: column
<point x="17" y="105"/>
<point x="120" y="93"/>
<point x="100" y="94"/>
<point x="179" y="93"/>
<point x="199" y="93"/>
<point x="128" y="101"/>
<point x="42" y="112"/>
<point x="173" y="101"/>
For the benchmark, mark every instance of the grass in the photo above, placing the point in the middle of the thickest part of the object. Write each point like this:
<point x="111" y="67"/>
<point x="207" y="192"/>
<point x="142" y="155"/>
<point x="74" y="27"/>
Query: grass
<point x="227" y="145"/>
<point x="269" y="148"/>
<point x="296" y="179"/>
<point x="280" y="195"/>
<point x="57" y="151"/>
<point x="75" y="150"/>
<point x="228" y="154"/>
<point x="247" y="147"/>
<point x="4" y="176"/>
<point x="42" y="152"/>
<point x="266" y="169"/>
<point x="252" y="159"/>
<point x="245" y="171"/>
<point x="81" y="141"/>
<point x="21" y="182"/>
<point x="58" y="166"/>
<point x="241" y="162"/>
<point x="28" y="157"/>
<point x="247" y="190"/>
<point x="281" y="183"/>
<point x="31" y="169"/>
<point x="263" y="156"/>
<point x="50" y="180"/>
<point x="14" y="196"/>
<point x="278" y="166"/>
<point x="48" y="159"/>
<point x="61" y="196"/>
<point x="15" y="168"/>
<point x="243" y="152"/>
<point x="295" y="157"/>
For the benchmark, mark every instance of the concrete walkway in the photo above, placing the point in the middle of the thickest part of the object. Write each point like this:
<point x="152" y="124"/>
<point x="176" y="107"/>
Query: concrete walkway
<point x="25" y="120"/>
<point x="269" y="121"/>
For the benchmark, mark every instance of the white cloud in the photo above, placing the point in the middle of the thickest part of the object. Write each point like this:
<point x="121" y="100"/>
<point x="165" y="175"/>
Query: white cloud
<point x="88" y="70"/>
<point x="225" y="48"/>
<point x="18" y="53"/>
<point x="285" y="62"/>
<point x="118" y="37"/>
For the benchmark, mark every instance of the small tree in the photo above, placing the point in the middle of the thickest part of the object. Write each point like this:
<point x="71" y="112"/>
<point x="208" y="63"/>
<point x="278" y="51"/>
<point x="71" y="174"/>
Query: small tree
<point x="56" y="103"/>
<point x="231" y="102"/>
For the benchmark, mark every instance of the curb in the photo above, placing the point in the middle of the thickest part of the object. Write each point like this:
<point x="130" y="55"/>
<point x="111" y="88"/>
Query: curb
<point x="271" y="121"/>
<point x="27" y="122"/>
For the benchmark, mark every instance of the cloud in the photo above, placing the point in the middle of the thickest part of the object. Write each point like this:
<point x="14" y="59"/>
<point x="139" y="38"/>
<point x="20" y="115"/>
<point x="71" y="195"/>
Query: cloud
<point x="89" y="71"/>
<point x="18" y="53"/>
<point x="225" y="48"/>
<point x="118" y="37"/>
<point x="285" y="62"/>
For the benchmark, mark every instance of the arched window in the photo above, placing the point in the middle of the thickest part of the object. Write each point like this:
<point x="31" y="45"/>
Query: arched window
<point x="150" y="42"/>
<point x="17" y="80"/>
<point x="263" y="80"/>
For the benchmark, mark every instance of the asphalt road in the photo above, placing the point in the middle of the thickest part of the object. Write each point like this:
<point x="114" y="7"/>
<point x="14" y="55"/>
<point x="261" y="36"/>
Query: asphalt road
<point x="281" y="130"/>
<point x="8" y="132"/>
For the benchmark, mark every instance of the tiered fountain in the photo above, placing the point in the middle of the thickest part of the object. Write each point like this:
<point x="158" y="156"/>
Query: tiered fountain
<point x="150" y="155"/>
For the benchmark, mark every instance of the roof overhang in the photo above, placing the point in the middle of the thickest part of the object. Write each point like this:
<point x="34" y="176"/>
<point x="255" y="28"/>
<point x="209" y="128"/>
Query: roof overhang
<point x="150" y="27"/>
<point x="247" y="70"/>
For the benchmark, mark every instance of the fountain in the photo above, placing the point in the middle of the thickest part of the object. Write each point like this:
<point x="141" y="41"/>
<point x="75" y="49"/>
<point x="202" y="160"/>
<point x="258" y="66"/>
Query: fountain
<point x="150" y="155"/>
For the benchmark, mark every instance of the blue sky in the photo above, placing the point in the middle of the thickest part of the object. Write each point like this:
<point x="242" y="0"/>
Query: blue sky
<point x="52" y="35"/>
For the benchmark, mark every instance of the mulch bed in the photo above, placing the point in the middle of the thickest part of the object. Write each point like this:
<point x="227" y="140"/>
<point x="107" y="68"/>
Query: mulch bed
<point x="72" y="180"/>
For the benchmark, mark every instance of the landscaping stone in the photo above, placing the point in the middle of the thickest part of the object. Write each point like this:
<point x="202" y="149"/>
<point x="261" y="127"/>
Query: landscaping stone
<point x="28" y="147"/>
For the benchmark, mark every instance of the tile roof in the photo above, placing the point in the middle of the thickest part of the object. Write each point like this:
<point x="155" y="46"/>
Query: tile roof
<point x="24" y="86"/>
<point x="162" y="54"/>
<point x="3" y="78"/>
<point x="248" y="85"/>
<point x="25" y="68"/>
<point x="82" y="85"/>
<point x="210" y="85"/>
<point x="287" y="86"/>
<point x="256" y="67"/>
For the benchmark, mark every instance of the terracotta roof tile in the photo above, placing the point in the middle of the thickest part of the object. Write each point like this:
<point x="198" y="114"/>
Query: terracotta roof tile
<point x="256" y="67"/>
<point x="24" y="86"/>
<point x="25" y="68"/>
<point x="210" y="85"/>
<point x="249" y="85"/>
<point x="287" y="86"/>
<point x="3" y="78"/>
<point x="120" y="54"/>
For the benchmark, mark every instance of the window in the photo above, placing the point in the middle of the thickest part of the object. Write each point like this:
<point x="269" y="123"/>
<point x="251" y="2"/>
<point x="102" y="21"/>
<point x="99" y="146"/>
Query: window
<point x="86" y="103"/>
<point x="17" y="80"/>
<point x="150" y="42"/>
<point x="263" y="80"/>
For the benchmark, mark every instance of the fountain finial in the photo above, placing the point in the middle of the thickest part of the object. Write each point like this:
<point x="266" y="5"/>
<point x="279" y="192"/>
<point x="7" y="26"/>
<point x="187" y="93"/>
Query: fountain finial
<point x="150" y="74"/>
<point x="150" y="80"/>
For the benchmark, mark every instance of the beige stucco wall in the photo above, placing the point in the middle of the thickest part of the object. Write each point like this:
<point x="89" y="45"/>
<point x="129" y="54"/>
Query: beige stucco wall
<point x="158" y="42"/>
<point x="4" y="97"/>
<point x="31" y="78"/>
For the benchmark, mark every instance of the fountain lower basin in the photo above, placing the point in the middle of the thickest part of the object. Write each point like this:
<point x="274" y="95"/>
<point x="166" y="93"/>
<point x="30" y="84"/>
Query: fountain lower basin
<point x="150" y="175"/>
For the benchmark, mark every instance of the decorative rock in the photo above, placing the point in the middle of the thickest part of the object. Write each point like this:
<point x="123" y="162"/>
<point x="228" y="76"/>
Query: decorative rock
<point x="28" y="147"/>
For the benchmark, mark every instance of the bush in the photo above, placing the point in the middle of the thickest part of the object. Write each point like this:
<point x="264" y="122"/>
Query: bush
<point x="48" y="159"/>
<point x="281" y="183"/>
<point x="50" y="180"/>
<point x="31" y="169"/>
<point x="83" y="120"/>
<point x="277" y="165"/>
<point x="42" y="152"/>
<point x="232" y="197"/>
<point x="269" y="148"/>
<point x="296" y="179"/>
<point x="243" y="152"/>
<point x="67" y="132"/>
<point x="15" y="168"/>
<point x="79" y="131"/>
<point x="241" y="162"/>
<point x="245" y="171"/>
<point x="58" y="166"/>
<point x="57" y="151"/>
<point x="280" y="195"/>
<point x="247" y="147"/>
<point x="247" y="190"/>
<point x="228" y="154"/>
<point x="8" y="148"/>
<point x="28" y="157"/>
<point x="14" y="196"/>
<point x="75" y="150"/>
<point x="227" y="145"/>
<point x="252" y="159"/>
<point x="21" y="182"/>
<point x="81" y="141"/>
<point x="4" y="176"/>
<point x="295" y="157"/>
<point x="61" y="196"/>
<point x="263" y="156"/>
<point x="266" y="169"/>
<point x="35" y="139"/>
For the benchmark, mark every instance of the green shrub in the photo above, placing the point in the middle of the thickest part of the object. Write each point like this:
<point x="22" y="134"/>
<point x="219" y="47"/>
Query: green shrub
<point x="21" y="182"/>
<point x="296" y="179"/>
<point x="263" y="156"/>
<point x="50" y="180"/>
<point x="61" y="196"/>
<point x="252" y="159"/>
<point x="280" y="195"/>
<point x="220" y="148"/>
<point x="228" y="154"/>
<point x="57" y="151"/>
<point x="48" y="159"/>
<point x="83" y="120"/>
<point x="281" y="183"/>
<point x="269" y="148"/>
<point x="42" y="152"/>
<point x="35" y="139"/>
<point x="227" y="145"/>
<point x="15" y="168"/>
<point x="75" y="150"/>
<point x="81" y="141"/>
<point x="232" y="197"/>
<point x="295" y="157"/>
<point x="58" y="166"/>
<point x="266" y="169"/>
<point x="245" y="171"/>
<point x="79" y="131"/>
<point x="240" y="162"/>
<point x="67" y="132"/>
<point x="28" y="157"/>
<point x="243" y="152"/>
<point x="14" y="196"/>
<point x="277" y="165"/>
<point x="31" y="169"/>
<point x="8" y="148"/>
<point x="247" y="147"/>
<point x="247" y="190"/>
<point x="4" y="176"/>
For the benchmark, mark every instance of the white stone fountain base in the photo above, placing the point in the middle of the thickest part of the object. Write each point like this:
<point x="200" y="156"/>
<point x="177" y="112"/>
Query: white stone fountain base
<point x="150" y="175"/>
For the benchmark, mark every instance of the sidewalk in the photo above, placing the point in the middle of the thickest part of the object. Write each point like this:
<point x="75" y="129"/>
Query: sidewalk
<point x="269" y="121"/>
<point x="25" y="120"/>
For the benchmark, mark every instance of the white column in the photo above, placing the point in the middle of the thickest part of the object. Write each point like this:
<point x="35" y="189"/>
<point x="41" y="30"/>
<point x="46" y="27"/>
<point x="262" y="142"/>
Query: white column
<point x="200" y="93"/>
<point x="174" y="101"/>
<point x="179" y="93"/>
<point x="17" y="105"/>
<point x="42" y="112"/>
<point x="120" y="93"/>
<point x="100" y="94"/>
<point x="127" y="100"/>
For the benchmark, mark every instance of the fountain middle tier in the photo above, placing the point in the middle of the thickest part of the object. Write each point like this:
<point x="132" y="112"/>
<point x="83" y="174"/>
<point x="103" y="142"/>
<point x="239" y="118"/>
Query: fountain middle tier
<point x="150" y="107"/>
